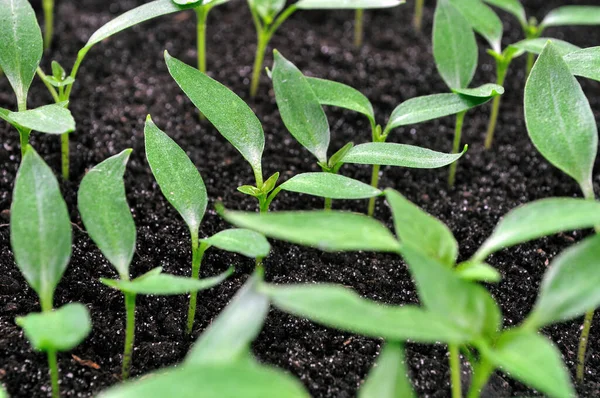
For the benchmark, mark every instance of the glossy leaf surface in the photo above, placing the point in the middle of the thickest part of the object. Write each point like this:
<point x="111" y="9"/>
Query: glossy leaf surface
<point x="50" y="119"/>
<point x="485" y="91"/>
<point x="176" y="175"/>
<point x="105" y="213"/>
<point x="346" y="4"/>
<point x="40" y="227"/>
<point x="482" y="19"/>
<point x="559" y="119"/>
<point x="325" y="230"/>
<point x="58" y="330"/>
<point x="242" y="241"/>
<point x="536" y="46"/>
<point x="584" y="62"/>
<point x="328" y="185"/>
<point x="391" y="154"/>
<point x="341" y="95"/>
<point x="572" y="15"/>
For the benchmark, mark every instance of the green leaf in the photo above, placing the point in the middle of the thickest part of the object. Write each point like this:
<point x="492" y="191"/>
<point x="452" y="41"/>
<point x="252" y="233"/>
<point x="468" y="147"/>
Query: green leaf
<point x="389" y="376"/>
<point x="299" y="107"/>
<point x="270" y="183"/>
<point x="50" y="119"/>
<point x="585" y="62"/>
<point x="570" y="286"/>
<point x="249" y="190"/>
<point x="511" y="6"/>
<point x="40" y="228"/>
<point x="538" y="219"/>
<point x="133" y="17"/>
<point x="471" y="308"/>
<point x="572" y="15"/>
<point x="3" y="393"/>
<point x="536" y="46"/>
<point x="105" y="213"/>
<point x="454" y="46"/>
<point x="346" y="4"/>
<point x="482" y="19"/>
<point x="243" y="241"/>
<point x="21" y="45"/>
<point x="486" y="91"/>
<point x="325" y="230"/>
<point x="220" y="380"/>
<point x="267" y="9"/>
<point x="57" y="330"/>
<point x="559" y="119"/>
<point x="532" y="359"/>
<point x="228" y="337"/>
<point x="430" y="107"/>
<point x="418" y="229"/>
<point x="337" y="94"/>
<point x="230" y="115"/>
<point x="390" y="154"/>
<point x="337" y="307"/>
<point x="478" y="272"/>
<point x="58" y="72"/>
<point x="59" y="83"/>
<point x="178" y="179"/>
<point x="336" y="159"/>
<point x="160" y="284"/>
<point x="328" y="185"/>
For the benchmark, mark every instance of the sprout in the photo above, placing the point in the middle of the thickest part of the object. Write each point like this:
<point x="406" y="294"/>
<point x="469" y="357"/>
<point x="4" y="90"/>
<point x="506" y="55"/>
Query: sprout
<point x="40" y="236"/>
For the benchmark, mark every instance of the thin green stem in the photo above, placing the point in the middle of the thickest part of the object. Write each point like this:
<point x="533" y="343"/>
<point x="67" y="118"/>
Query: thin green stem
<point x="583" y="341"/>
<point x="501" y="68"/>
<point x="455" y="370"/>
<point x="202" y="14"/>
<point x="259" y="265"/>
<point x="328" y="203"/>
<point x="530" y="62"/>
<point x="197" y="255"/>
<point x="48" y="6"/>
<point x="64" y="156"/>
<point x="481" y="374"/>
<point x="24" y="139"/>
<point x="80" y="56"/>
<point x="456" y="146"/>
<point x="418" y="17"/>
<point x="374" y="184"/>
<point x="261" y="48"/>
<point x="53" y="366"/>
<point x="129" y="334"/>
<point x="358" y="28"/>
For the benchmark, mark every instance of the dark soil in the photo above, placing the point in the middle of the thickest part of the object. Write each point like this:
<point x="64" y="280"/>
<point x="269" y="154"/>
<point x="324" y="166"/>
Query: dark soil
<point x="125" y="78"/>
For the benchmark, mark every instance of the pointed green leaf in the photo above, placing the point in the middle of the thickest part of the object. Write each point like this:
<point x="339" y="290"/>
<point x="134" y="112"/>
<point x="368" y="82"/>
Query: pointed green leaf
<point x="270" y="183"/>
<point x="160" y="284"/>
<point x="389" y="376"/>
<point x="105" y="213"/>
<point x="570" y="286"/>
<point x="534" y="360"/>
<point x="221" y="380"/>
<point x="346" y="4"/>
<point x="328" y="185"/>
<point x="478" y="272"/>
<point x="40" y="228"/>
<point x="482" y="19"/>
<point x="57" y="330"/>
<point x="337" y="307"/>
<point x="243" y="241"/>
<point x="228" y="337"/>
<point x="133" y="17"/>
<point x="512" y="6"/>
<point x="486" y="91"/>
<point x="538" y="219"/>
<point x="572" y="15"/>
<point x="336" y="159"/>
<point x="59" y="83"/>
<point x="50" y="119"/>
<point x="299" y="108"/>
<point x="471" y="308"/>
<point x="424" y="232"/>
<point x="230" y="115"/>
<point x="559" y="118"/>
<point x="325" y="230"/>
<point x="337" y="94"/>
<point x="536" y="46"/>
<point x="249" y="190"/>
<point x="585" y="62"/>
<point x="454" y="46"/>
<point x="176" y="175"/>
<point x="267" y="9"/>
<point x="430" y="107"/>
<point x="390" y="154"/>
<point x="21" y="45"/>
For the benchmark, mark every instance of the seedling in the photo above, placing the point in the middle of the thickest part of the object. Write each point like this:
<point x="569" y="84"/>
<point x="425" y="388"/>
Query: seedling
<point x="236" y="122"/>
<point x="21" y="48"/>
<point x="40" y="235"/>
<point x="269" y="15"/>
<point x="455" y="309"/>
<point x="48" y="7"/>
<point x="107" y="218"/>
<point x="412" y="111"/>
<point x="563" y="128"/>
<point x="182" y="185"/>
<point x="455" y="54"/>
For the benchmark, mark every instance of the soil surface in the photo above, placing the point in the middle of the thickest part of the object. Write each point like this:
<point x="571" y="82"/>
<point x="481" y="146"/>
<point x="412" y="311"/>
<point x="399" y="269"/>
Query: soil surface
<point x="125" y="78"/>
